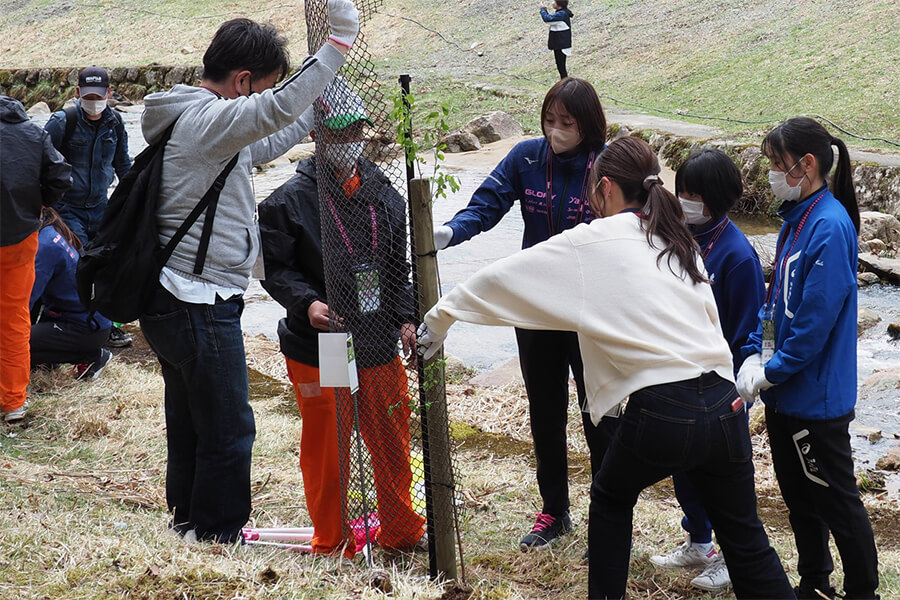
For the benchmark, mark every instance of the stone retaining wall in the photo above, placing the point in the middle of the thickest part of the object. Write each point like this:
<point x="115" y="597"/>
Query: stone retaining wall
<point x="877" y="187"/>
<point x="56" y="85"/>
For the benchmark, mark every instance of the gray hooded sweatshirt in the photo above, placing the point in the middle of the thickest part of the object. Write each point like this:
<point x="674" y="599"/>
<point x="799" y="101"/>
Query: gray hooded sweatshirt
<point x="209" y="131"/>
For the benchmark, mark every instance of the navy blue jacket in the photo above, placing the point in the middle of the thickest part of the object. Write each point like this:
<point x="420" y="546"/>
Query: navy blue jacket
<point x="559" y="39"/>
<point x="738" y="285"/>
<point x="523" y="175"/>
<point x="54" y="283"/>
<point x="32" y="173"/>
<point x="814" y="366"/>
<point x="96" y="153"/>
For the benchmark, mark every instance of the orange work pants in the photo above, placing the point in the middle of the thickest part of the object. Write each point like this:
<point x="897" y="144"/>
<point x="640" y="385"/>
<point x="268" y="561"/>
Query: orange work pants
<point x="16" y="281"/>
<point x="384" y="424"/>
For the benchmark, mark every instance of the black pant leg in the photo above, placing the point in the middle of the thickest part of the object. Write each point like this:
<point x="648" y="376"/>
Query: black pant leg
<point x="545" y="368"/>
<point x="56" y="342"/>
<point x="597" y="436"/>
<point x="814" y="467"/>
<point x="560" y="63"/>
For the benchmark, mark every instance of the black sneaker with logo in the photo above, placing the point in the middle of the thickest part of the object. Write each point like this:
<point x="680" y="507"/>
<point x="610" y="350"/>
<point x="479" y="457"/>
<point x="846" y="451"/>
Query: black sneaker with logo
<point x="92" y="370"/>
<point x="118" y="338"/>
<point x="546" y="530"/>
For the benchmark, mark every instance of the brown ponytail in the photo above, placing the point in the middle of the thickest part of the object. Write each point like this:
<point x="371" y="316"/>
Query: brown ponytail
<point x="633" y="165"/>
<point x="51" y="218"/>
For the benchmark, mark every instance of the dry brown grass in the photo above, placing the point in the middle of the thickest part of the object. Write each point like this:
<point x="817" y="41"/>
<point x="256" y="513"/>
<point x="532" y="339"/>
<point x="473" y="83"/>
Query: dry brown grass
<point x="82" y="485"/>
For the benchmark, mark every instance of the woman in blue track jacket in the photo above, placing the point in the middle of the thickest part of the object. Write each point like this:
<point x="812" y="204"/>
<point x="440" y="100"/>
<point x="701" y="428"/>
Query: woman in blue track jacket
<point x="549" y="178"/>
<point x="802" y="358"/>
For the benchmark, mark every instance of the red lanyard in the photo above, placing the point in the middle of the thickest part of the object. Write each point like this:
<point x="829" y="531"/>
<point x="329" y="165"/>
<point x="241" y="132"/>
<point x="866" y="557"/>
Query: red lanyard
<point x="582" y="200"/>
<point x="340" y="224"/>
<point x="717" y="233"/>
<point x="769" y="295"/>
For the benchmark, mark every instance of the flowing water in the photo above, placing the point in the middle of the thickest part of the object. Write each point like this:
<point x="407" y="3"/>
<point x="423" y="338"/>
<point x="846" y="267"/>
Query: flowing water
<point x="484" y="348"/>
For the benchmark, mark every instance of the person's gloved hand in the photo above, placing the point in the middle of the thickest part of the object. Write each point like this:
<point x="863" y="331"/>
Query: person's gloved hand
<point x="442" y="237"/>
<point x="752" y="378"/>
<point x="429" y="343"/>
<point x="343" y="19"/>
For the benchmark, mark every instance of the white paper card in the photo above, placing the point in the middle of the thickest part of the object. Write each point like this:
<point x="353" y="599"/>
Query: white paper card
<point x="337" y="361"/>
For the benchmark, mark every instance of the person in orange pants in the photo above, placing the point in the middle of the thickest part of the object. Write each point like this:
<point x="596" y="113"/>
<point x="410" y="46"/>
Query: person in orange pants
<point x="361" y="231"/>
<point x="32" y="174"/>
<point x="384" y="424"/>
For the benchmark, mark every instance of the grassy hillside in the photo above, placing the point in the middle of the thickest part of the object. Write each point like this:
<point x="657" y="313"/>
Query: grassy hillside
<point x="743" y="60"/>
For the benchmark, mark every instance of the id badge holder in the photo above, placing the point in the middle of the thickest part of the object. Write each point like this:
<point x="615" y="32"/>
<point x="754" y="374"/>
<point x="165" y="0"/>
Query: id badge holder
<point x="768" y="335"/>
<point x="368" y="288"/>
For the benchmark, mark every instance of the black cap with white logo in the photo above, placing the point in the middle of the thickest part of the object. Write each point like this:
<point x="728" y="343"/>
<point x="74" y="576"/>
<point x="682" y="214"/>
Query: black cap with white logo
<point x="93" y="80"/>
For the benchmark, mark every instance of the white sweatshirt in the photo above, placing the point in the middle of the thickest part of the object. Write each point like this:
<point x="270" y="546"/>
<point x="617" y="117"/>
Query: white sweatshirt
<point x="638" y="324"/>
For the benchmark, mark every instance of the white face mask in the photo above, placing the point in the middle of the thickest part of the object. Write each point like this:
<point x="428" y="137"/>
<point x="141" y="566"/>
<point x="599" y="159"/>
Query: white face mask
<point x="562" y="140"/>
<point x="781" y="188"/>
<point x="693" y="211"/>
<point x="342" y="156"/>
<point x="93" y="107"/>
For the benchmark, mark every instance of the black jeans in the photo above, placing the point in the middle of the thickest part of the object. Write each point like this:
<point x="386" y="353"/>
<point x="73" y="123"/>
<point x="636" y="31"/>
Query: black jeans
<point x="209" y="423"/>
<point x="560" y="63"/>
<point x="814" y="467"/>
<point x="683" y="426"/>
<point x="545" y="358"/>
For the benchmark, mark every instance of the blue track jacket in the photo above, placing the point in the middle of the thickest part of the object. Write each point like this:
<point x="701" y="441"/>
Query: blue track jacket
<point x="54" y="283"/>
<point x="733" y="268"/>
<point x="814" y="366"/>
<point x="523" y="175"/>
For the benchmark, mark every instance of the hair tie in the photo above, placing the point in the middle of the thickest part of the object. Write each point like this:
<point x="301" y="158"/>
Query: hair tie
<point x="651" y="180"/>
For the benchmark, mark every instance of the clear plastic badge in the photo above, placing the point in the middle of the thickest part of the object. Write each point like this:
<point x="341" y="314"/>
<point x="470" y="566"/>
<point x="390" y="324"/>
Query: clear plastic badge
<point x="368" y="288"/>
<point x="768" y="335"/>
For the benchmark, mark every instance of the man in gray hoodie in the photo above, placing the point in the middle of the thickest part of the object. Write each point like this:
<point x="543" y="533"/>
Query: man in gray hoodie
<point x="193" y="320"/>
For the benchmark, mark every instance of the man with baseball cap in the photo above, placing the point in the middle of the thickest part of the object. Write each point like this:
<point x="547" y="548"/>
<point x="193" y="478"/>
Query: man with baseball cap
<point x="361" y="232"/>
<point x="92" y="138"/>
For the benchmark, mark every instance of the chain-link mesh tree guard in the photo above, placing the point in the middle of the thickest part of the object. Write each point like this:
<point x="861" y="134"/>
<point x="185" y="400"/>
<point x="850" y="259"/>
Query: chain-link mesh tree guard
<point x="367" y="248"/>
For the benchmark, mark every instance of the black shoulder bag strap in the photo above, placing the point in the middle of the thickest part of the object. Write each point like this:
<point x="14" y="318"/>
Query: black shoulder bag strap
<point x="71" y="120"/>
<point x="210" y="199"/>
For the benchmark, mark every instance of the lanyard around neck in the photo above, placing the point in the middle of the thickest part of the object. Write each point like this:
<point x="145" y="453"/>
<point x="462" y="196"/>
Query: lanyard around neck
<point x="773" y="298"/>
<point x="581" y="198"/>
<point x="343" y="230"/>
<point x="716" y="234"/>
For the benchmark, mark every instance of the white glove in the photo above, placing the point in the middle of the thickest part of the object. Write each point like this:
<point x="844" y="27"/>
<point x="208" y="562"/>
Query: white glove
<point x="343" y="19"/>
<point x="428" y="342"/>
<point x="442" y="237"/>
<point x="752" y="378"/>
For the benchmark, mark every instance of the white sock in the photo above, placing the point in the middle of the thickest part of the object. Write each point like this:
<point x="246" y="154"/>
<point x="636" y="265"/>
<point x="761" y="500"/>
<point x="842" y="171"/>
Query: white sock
<point x="704" y="549"/>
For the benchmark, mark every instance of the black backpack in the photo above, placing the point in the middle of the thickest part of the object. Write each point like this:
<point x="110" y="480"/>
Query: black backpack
<point x="119" y="268"/>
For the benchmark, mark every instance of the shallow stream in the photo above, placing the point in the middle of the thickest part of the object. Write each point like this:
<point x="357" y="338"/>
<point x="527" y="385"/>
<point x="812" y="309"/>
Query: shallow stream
<point x="484" y="348"/>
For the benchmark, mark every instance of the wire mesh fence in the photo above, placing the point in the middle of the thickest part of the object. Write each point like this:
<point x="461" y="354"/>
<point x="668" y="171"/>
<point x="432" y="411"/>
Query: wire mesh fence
<point x="367" y="251"/>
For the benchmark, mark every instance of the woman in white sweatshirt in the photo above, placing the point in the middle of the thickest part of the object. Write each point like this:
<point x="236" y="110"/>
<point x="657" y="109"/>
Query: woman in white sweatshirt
<point x="632" y="285"/>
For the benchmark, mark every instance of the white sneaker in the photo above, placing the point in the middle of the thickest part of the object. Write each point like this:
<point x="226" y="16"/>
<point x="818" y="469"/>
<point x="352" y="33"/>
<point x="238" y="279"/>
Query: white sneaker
<point x="714" y="577"/>
<point x="15" y="415"/>
<point x="685" y="555"/>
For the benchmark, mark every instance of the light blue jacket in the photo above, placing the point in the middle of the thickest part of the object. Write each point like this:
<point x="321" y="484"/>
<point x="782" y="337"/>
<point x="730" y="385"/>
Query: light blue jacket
<point x="814" y="365"/>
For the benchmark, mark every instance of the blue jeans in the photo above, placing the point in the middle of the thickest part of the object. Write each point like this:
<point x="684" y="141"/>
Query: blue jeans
<point x="683" y="426"/>
<point x="209" y="423"/>
<point x="84" y="222"/>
